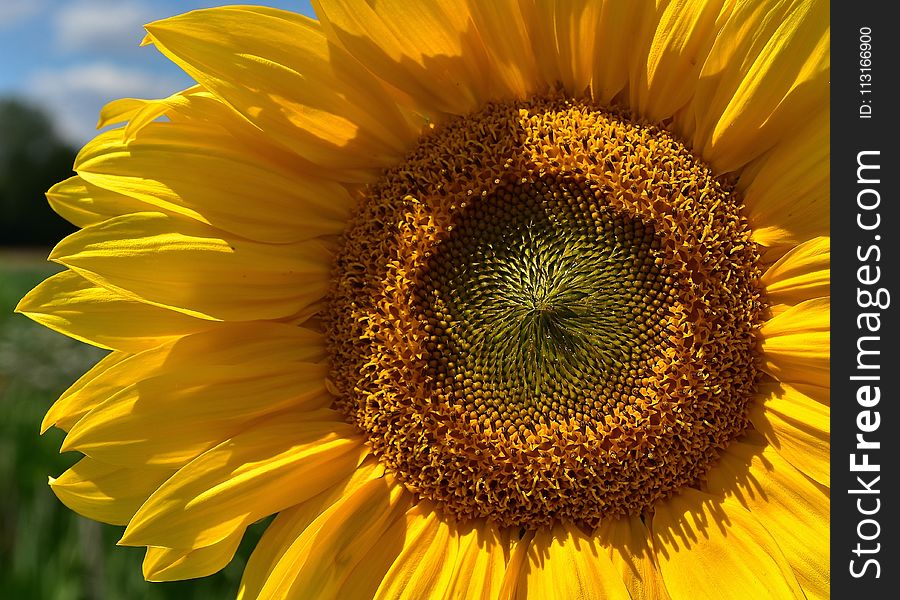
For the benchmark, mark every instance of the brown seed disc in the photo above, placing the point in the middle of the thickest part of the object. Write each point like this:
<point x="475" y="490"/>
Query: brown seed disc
<point x="546" y="312"/>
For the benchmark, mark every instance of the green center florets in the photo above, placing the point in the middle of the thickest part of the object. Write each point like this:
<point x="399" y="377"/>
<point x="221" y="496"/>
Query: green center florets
<point x="538" y="302"/>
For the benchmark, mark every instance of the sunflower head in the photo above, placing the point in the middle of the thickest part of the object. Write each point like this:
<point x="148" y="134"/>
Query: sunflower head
<point x="502" y="299"/>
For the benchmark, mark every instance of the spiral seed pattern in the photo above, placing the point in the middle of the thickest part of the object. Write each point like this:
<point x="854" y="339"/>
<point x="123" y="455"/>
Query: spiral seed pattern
<point x="546" y="312"/>
<point x="538" y="305"/>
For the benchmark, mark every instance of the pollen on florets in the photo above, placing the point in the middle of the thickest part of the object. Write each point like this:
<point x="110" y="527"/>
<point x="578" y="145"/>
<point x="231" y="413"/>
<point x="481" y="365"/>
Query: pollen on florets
<point x="546" y="312"/>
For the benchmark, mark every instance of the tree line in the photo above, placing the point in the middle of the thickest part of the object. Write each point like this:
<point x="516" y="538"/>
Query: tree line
<point x="32" y="159"/>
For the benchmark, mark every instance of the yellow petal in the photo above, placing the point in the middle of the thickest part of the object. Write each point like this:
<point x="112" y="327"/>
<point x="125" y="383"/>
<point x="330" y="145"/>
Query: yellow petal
<point x="107" y="493"/>
<point x="578" y="27"/>
<point x="480" y="561"/>
<point x="503" y="27"/>
<point x="796" y="426"/>
<point x="428" y="50"/>
<point x="628" y="542"/>
<point x="796" y="343"/>
<point x="801" y="274"/>
<point x="579" y="45"/>
<point x="787" y="191"/>
<point x="515" y="567"/>
<point x="821" y="394"/>
<point x="198" y="106"/>
<point x="136" y="112"/>
<point x="185" y="406"/>
<point x="587" y="45"/>
<point x="174" y="564"/>
<point x="565" y="563"/>
<point x="683" y="38"/>
<point x="713" y="548"/>
<point x="540" y="22"/>
<point x="292" y="522"/>
<point x="766" y="73"/>
<point x="790" y="507"/>
<point x="190" y="268"/>
<point x="279" y="71"/>
<point x="140" y="113"/>
<point x="120" y="110"/>
<point x="263" y="470"/>
<point x="425" y="567"/>
<point x="72" y="305"/>
<point x="84" y="204"/>
<point x="202" y="172"/>
<point x="614" y="45"/>
<point x="172" y="418"/>
<point x="79" y="398"/>
<point x="232" y="344"/>
<point x="363" y="580"/>
<point x="318" y="562"/>
<point x="201" y="107"/>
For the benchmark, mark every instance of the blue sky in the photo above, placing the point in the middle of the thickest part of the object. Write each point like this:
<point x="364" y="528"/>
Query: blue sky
<point x="73" y="56"/>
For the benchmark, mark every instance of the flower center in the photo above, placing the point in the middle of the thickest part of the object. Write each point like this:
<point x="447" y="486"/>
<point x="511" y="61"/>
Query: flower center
<point x="542" y="303"/>
<point x="546" y="312"/>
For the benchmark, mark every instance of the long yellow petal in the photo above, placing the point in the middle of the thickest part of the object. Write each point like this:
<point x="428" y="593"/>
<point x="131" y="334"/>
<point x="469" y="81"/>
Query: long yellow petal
<point x="124" y="109"/>
<point x="229" y="344"/>
<point x="425" y="566"/>
<point x="515" y="566"/>
<point x="140" y="113"/>
<point x="480" y="561"/>
<point x="796" y="343"/>
<point x="796" y="426"/>
<point x="268" y="468"/>
<point x="574" y="38"/>
<point x="202" y="172"/>
<point x="791" y="508"/>
<point x="72" y="305"/>
<point x="766" y="73"/>
<point x="628" y="542"/>
<point x="107" y="493"/>
<point x="713" y="548"/>
<point x="174" y="417"/>
<point x="564" y="563"/>
<point x="683" y="38"/>
<point x="83" y="204"/>
<point x="587" y="46"/>
<point x="198" y="106"/>
<point x="821" y="394"/>
<point x="503" y="26"/>
<point x="292" y="522"/>
<point x="191" y="268"/>
<point x="79" y="399"/>
<point x="578" y="25"/>
<point x="802" y="274"/>
<point x="428" y="50"/>
<point x="614" y="44"/>
<point x="319" y="562"/>
<point x="174" y="413"/>
<point x="280" y="71"/>
<point x="174" y="564"/>
<point x="787" y="191"/>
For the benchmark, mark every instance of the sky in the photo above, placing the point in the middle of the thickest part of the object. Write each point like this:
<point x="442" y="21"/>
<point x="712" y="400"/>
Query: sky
<point x="73" y="56"/>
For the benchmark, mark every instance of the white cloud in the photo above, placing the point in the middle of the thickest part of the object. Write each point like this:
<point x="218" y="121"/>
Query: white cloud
<point x="13" y="12"/>
<point x="100" y="78"/>
<point x="74" y="95"/>
<point x="102" y="25"/>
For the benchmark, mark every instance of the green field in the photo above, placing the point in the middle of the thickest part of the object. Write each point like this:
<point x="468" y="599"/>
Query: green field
<point x="48" y="552"/>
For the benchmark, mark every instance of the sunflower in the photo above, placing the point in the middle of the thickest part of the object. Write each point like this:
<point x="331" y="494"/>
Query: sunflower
<point x="508" y="299"/>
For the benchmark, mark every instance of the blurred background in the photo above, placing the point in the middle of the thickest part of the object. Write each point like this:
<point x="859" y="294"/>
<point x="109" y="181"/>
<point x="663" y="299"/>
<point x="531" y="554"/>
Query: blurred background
<point x="60" y="62"/>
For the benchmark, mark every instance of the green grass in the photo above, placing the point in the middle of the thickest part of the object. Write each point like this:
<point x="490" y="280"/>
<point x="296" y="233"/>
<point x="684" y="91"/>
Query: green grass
<point x="48" y="552"/>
